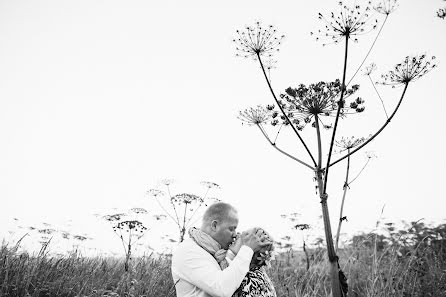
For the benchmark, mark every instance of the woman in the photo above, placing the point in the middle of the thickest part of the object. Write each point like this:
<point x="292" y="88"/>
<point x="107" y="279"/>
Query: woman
<point x="256" y="282"/>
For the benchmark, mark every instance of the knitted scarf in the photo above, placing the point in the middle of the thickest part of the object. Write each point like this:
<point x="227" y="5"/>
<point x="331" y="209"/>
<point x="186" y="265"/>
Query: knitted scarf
<point x="209" y="244"/>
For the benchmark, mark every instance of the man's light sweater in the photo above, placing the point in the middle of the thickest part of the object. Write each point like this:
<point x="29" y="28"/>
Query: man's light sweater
<point x="196" y="273"/>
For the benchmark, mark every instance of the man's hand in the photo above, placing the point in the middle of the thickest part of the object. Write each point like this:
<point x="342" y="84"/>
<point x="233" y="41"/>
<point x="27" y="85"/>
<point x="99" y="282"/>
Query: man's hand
<point x="255" y="239"/>
<point x="235" y="247"/>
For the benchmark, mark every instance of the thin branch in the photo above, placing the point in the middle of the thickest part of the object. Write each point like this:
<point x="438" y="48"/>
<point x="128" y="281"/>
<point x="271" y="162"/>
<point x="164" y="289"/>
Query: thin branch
<point x="184" y="217"/>
<point x="173" y="206"/>
<point x="338" y="233"/>
<point x="340" y="105"/>
<point x="359" y="173"/>
<point x="196" y="209"/>
<point x="382" y="102"/>
<point x="283" y="152"/>
<point x="379" y="131"/>
<point x="366" y="56"/>
<point x="283" y="112"/>
<point x="277" y="135"/>
<point x="168" y="213"/>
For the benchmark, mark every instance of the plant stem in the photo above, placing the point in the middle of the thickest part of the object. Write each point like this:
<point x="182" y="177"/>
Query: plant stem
<point x="283" y="112"/>
<point x="340" y="105"/>
<point x="183" y="230"/>
<point x="319" y="142"/>
<point x="338" y="233"/>
<point x="173" y="206"/>
<point x="283" y="152"/>
<point x="306" y="255"/>
<point x="379" y="131"/>
<point x="332" y="257"/>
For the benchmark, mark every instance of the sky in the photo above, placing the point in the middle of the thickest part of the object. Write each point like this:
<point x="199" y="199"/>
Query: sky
<point x="100" y="100"/>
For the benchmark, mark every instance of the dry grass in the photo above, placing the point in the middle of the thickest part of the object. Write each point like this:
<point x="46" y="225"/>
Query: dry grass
<point x="419" y="271"/>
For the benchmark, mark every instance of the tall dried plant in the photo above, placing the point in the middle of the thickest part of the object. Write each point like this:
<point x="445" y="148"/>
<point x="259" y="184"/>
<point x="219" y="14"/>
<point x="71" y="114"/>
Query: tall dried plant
<point x="183" y="208"/>
<point x="323" y="103"/>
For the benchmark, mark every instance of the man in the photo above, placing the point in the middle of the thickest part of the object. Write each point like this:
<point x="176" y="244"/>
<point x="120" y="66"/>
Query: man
<point x="199" y="267"/>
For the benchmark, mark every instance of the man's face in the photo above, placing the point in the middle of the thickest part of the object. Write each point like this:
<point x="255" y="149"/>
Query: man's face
<point x="225" y="231"/>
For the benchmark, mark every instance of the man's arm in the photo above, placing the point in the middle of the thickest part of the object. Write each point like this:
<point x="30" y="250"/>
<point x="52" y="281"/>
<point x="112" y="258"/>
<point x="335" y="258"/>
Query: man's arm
<point x="198" y="270"/>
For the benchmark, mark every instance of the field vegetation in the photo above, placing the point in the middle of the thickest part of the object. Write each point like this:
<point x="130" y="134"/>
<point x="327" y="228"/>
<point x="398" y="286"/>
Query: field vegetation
<point x="410" y="261"/>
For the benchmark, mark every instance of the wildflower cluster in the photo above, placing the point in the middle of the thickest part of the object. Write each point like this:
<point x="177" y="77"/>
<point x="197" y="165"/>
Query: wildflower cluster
<point x="185" y="198"/>
<point x="257" y="41"/>
<point x="411" y="69"/>
<point x="131" y="225"/>
<point x="210" y="185"/>
<point x="139" y="210"/>
<point x="46" y="231"/>
<point x="386" y="6"/>
<point x="114" y="217"/>
<point x="346" y="143"/>
<point x="182" y="208"/>
<point x="351" y="21"/>
<point x="303" y="103"/>
<point x="80" y="237"/>
<point x="302" y="227"/>
<point x="257" y="115"/>
<point x="369" y="69"/>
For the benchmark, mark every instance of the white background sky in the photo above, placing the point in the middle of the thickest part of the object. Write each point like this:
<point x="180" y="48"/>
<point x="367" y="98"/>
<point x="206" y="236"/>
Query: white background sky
<point x="99" y="100"/>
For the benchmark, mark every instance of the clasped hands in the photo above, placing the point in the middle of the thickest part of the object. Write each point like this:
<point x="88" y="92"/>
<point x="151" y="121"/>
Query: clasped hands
<point x="254" y="238"/>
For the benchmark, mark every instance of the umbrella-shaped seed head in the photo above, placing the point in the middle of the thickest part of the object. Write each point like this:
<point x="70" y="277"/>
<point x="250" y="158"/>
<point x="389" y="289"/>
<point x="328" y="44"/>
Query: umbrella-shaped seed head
<point x="255" y="41"/>
<point x="348" y="23"/>
<point x="411" y="69"/>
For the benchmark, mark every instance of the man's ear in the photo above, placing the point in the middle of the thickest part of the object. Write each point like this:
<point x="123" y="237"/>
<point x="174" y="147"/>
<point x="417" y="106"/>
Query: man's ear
<point x="214" y="225"/>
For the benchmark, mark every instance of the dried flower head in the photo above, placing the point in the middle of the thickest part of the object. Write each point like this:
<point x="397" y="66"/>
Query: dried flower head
<point x="257" y="41"/>
<point x="210" y="185"/>
<point x="80" y="237"/>
<point x="270" y="64"/>
<point x="346" y="143"/>
<point x="65" y="235"/>
<point x="185" y="198"/>
<point x="301" y="226"/>
<point x="351" y="21"/>
<point x="386" y="6"/>
<point x="411" y="69"/>
<point x="255" y="115"/>
<point x="369" y="69"/>
<point x="159" y="217"/>
<point x="133" y="225"/>
<point x="155" y="193"/>
<point x="114" y="217"/>
<point x="139" y="210"/>
<point x="167" y="181"/>
<point x="46" y="231"/>
<point x="303" y="103"/>
<point x="292" y="217"/>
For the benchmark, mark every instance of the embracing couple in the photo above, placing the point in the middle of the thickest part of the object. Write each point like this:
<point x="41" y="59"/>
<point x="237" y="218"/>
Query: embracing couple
<point x="217" y="261"/>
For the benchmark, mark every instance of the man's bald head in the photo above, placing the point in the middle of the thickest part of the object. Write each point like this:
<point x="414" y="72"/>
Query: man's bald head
<point x="218" y="211"/>
<point x="220" y="221"/>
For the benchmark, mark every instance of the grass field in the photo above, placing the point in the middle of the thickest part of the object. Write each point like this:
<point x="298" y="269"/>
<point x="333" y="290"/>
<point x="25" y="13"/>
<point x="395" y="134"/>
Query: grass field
<point x="371" y="270"/>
